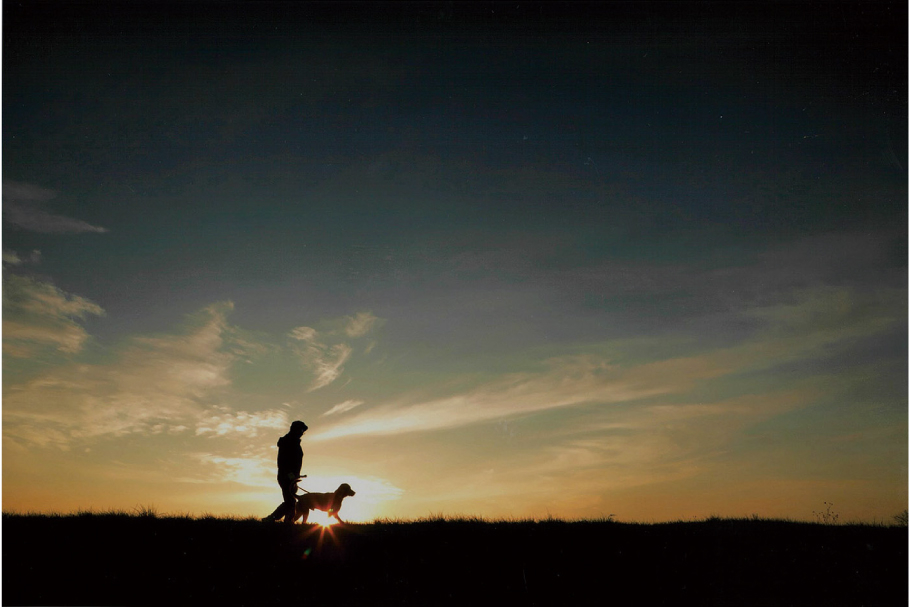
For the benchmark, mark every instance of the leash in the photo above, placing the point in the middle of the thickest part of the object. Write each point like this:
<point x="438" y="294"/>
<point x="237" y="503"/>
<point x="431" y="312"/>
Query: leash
<point x="301" y="488"/>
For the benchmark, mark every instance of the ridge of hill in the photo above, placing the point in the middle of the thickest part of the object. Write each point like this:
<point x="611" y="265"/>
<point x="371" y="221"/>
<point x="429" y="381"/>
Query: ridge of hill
<point x="139" y="560"/>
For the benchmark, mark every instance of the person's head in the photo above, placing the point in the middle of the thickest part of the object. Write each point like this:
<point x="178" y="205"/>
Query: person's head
<point x="298" y="428"/>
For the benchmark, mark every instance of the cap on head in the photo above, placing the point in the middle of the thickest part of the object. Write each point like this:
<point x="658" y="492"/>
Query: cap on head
<point x="298" y="426"/>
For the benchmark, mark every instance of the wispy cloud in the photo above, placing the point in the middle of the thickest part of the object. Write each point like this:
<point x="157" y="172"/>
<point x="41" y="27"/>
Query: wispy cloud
<point x="673" y="293"/>
<point x="154" y="385"/>
<point x="325" y="353"/>
<point x="222" y="421"/>
<point x="569" y="382"/>
<point x="23" y="208"/>
<point x="38" y="315"/>
<point x="654" y="408"/>
<point x="813" y="323"/>
<point x="360" y="324"/>
<point x="345" y="406"/>
<point x="326" y="362"/>
<point x="658" y="441"/>
<point x="17" y="259"/>
<point x="329" y="365"/>
<point x="254" y="469"/>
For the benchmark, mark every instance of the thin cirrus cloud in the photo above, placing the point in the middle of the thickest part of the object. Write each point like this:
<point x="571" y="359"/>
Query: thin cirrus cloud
<point x="570" y="382"/>
<point x="222" y="421"/>
<point x="660" y="440"/>
<point x="361" y="324"/>
<point x="155" y="385"/>
<point x="343" y="407"/>
<point x="253" y="469"/>
<point x="326" y="362"/>
<point x="816" y="323"/>
<point x="37" y="316"/>
<point x="23" y="207"/>
<point x="321" y="356"/>
<point x="14" y="258"/>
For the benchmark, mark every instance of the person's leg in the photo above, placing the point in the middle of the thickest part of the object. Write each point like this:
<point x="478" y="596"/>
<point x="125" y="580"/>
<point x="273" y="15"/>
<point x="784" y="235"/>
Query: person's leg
<point x="289" y="507"/>
<point x="278" y="513"/>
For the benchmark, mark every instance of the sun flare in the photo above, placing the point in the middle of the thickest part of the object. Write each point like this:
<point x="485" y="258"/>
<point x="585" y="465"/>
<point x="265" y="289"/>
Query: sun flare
<point x="321" y="518"/>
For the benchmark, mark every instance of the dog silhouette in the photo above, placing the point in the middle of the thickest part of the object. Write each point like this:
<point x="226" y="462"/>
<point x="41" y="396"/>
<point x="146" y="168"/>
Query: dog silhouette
<point x="327" y="502"/>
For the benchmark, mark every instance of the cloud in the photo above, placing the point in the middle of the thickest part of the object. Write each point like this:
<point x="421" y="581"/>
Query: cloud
<point x="22" y="208"/>
<point x="153" y="385"/>
<point x="325" y="353"/>
<point x="38" y="315"/>
<point x="174" y="383"/>
<point x="342" y="407"/>
<point x="643" y="444"/>
<point x="16" y="191"/>
<point x="567" y="383"/>
<point x="15" y="259"/>
<point x="601" y="455"/>
<point x="831" y="313"/>
<point x="221" y="421"/>
<point x="812" y="324"/>
<point x="305" y="334"/>
<point x="253" y="469"/>
<point x="326" y="362"/>
<point x="329" y="367"/>
<point x="360" y="325"/>
<point x="675" y="293"/>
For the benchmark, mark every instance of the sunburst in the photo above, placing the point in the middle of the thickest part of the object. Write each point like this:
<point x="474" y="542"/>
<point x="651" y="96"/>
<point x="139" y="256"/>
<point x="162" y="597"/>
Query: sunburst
<point x="321" y="518"/>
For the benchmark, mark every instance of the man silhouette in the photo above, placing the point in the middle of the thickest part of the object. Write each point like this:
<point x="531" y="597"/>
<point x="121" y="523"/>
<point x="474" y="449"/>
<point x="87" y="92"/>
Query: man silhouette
<point x="290" y="459"/>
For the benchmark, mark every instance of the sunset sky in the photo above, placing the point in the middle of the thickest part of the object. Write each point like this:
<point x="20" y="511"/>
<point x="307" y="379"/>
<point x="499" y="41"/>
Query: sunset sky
<point x="505" y="260"/>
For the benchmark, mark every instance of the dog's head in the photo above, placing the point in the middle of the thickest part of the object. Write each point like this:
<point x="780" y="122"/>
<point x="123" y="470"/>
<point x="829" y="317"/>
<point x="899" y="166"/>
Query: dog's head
<point x="344" y="490"/>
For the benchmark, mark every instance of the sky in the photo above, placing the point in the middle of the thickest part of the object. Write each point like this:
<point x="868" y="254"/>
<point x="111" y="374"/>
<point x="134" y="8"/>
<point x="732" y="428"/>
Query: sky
<point x="512" y="260"/>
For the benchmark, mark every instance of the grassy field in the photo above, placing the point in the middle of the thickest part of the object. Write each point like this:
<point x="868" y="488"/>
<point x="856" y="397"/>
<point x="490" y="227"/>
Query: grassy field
<point x="107" y="559"/>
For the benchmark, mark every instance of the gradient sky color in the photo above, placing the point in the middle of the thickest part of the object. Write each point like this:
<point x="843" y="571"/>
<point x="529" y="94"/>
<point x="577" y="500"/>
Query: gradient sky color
<point x="633" y="259"/>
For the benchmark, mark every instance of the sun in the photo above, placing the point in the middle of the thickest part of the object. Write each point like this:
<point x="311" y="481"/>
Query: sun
<point x="321" y="518"/>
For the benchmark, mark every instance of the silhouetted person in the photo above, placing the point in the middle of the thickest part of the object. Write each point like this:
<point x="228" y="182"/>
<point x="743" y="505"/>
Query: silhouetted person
<point x="290" y="459"/>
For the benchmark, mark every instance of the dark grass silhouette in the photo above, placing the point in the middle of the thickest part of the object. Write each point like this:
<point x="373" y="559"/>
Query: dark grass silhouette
<point x="143" y="559"/>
